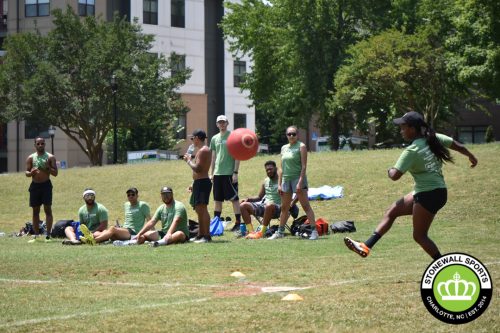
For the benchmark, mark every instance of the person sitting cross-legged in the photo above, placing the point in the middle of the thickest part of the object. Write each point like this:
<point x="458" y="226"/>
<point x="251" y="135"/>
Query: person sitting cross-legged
<point x="267" y="204"/>
<point x="136" y="214"/>
<point x="174" y="222"/>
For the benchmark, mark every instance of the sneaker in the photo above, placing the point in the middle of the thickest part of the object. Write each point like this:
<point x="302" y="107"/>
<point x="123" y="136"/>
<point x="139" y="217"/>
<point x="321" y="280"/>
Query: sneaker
<point x="277" y="235"/>
<point x="71" y="242"/>
<point x="358" y="247"/>
<point x="203" y="239"/>
<point x="254" y="235"/>
<point x="236" y="227"/>
<point x="87" y="234"/>
<point x="120" y="243"/>
<point x="194" y="239"/>
<point x="48" y="240"/>
<point x="154" y="244"/>
<point x="314" y="235"/>
<point x="238" y="234"/>
<point x="35" y="238"/>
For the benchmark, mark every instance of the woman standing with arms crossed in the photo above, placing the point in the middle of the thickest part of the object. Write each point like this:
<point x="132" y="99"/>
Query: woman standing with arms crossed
<point x="293" y="179"/>
<point x="423" y="159"/>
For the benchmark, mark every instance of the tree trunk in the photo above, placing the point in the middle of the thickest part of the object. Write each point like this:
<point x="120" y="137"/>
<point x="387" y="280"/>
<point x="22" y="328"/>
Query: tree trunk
<point x="334" y="126"/>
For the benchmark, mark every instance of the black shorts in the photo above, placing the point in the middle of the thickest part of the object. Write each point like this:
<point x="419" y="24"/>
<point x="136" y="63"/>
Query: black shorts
<point x="225" y="189"/>
<point x="40" y="194"/>
<point x="433" y="200"/>
<point x="162" y="234"/>
<point x="201" y="192"/>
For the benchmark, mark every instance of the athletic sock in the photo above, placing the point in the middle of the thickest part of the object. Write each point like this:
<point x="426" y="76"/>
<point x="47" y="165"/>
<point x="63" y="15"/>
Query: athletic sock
<point x="238" y="218"/>
<point x="263" y="229"/>
<point x="216" y="213"/>
<point x="250" y="227"/>
<point x="373" y="239"/>
<point x="281" y="230"/>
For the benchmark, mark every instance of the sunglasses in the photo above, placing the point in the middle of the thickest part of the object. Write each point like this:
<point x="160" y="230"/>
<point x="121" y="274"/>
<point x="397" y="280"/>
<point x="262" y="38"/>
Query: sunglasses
<point x="291" y="134"/>
<point x="130" y="195"/>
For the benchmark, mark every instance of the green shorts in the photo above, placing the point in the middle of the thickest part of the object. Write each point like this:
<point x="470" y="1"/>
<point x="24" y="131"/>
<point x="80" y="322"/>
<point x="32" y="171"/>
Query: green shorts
<point x="290" y="186"/>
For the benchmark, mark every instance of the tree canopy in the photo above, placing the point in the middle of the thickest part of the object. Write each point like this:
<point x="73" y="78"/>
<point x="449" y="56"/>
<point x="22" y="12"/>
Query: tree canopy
<point x="351" y="62"/>
<point x="64" y="79"/>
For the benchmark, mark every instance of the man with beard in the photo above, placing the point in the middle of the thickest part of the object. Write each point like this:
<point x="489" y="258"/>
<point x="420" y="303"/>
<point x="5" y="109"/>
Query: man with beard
<point x="40" y="166"/>
<point x="93" y="221"/>
<point x="267" y="204"/>
<point x="174" y="222"/>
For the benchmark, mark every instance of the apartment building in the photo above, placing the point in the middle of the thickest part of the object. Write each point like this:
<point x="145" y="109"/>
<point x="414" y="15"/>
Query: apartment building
<point x="186" y="27"/>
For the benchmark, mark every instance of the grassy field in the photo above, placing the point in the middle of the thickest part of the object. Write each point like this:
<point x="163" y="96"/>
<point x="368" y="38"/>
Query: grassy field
<point x="187" y="288"/>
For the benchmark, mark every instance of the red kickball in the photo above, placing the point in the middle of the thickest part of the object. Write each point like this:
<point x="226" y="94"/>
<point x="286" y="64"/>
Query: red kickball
<point x="242" y="144"/>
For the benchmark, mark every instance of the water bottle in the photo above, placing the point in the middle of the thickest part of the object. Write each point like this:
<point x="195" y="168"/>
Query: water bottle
<point x="190" y="150"/>
<point x="243" y="229"/>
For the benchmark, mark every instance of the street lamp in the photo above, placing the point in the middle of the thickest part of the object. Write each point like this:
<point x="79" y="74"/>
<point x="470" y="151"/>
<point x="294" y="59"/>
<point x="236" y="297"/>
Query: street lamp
<point x="52" y="132"/>
<point x="114" y="89"/>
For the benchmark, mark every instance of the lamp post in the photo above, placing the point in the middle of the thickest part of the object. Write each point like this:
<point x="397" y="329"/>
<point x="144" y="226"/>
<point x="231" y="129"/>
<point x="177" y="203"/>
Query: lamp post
<point x="52" y="132"/>
<point x="114" y="89"/>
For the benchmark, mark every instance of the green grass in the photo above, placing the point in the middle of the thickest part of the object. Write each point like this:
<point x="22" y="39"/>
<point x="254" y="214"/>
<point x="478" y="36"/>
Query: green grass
<point x="49" y="287"/>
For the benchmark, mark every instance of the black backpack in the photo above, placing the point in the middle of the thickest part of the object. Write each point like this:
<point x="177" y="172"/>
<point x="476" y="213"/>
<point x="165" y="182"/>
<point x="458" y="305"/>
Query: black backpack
<point x="299" y="227"/>
<point x="28" y="229"/>
<point x="58" y="228"/>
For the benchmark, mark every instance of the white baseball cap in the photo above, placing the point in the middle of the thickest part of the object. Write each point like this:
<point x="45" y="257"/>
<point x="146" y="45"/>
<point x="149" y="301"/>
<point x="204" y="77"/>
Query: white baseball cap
<point x="221" y="118"/>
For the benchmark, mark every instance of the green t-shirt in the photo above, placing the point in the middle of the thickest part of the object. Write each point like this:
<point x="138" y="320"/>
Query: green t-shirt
<point x="135" y="216"/>
<point x="271" y="191"/>
<point x="41" y="161"/>
<point x="167" y="214"/>
<point x="290" y="161"/>
<point x="224" y="163"/>
<point x="93" y="217"/>
<point x="423" y="165"/>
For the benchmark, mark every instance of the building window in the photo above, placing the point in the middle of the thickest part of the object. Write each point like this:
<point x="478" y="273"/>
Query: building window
<point x="150" y="12"/>
<point x="239" y="70"/>
<point x="177" y="13"/>
<point x="32" y="129"/>
<point x="181" y="123"/>
<point x="36" y="8"/>
<point x="178" y="63"/>
<point x="86" y="7"/>
<point x="240" y="120"/>
<point x="472" y="134"/>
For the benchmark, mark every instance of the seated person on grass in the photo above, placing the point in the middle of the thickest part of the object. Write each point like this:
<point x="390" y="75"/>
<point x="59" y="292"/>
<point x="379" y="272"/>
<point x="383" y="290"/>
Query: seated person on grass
<point x="267" y="204"/>
<point x="93" y="221"/>
<point x="136" y="214"/>
<point x="174" y="222"/>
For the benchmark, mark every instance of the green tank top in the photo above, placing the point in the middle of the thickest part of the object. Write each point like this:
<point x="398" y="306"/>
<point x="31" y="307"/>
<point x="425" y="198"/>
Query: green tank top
<point x="271" y="191"/>
<point x="41" y="162"/>
<point x="290" y="158"/>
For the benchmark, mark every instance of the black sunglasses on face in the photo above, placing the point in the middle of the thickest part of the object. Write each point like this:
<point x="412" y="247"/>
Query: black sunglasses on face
<point x="291" y="134"/>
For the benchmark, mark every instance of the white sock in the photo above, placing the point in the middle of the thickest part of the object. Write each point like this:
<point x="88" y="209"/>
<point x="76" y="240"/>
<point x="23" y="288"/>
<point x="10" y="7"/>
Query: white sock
<point x="132" y="242"/>
<point x="162" y="242"/>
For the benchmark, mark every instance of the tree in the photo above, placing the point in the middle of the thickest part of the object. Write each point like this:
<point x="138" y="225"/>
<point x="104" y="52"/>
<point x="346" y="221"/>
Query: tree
<point x="392" y="73"/>
<point x="296" y="48"/>
<point x="66" y="81"/>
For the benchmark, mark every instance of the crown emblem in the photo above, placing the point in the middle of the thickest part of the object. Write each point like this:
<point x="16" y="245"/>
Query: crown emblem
<point x="450" y="290"/>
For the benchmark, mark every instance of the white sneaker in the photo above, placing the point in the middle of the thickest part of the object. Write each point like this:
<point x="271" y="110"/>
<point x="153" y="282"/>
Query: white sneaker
<point x="120" y="243"/>
<point x="277" y="235"/>
<point x="314" y="235"/>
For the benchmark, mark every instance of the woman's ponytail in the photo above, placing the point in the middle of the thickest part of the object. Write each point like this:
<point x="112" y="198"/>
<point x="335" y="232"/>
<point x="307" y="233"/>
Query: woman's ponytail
<point x="442" y="153"/>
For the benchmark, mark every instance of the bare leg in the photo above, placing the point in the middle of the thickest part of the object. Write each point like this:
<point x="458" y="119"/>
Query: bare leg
<point x="422" y="220"/>
<point x="268" y="214"/>
<point x="236" y="207"/>
<point x="304" y="202"/>
<point x="403" y="206"/>
<point x="246" y="209"/>
<point x="203" y="219"/>
<point x="49" y="219"/>
<point x="286" y="200"/>
<point x="36" y="220"/>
